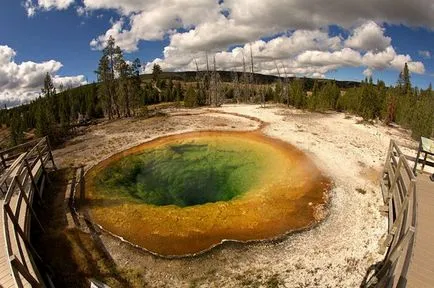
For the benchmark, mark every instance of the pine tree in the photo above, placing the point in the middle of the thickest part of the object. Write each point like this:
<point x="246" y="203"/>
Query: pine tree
<point x="135" y="84"/>
<point x="179" y="93"/>
<point x="44" y="120"/>
<point x="112" y="54"/>
<point x="124" y="73"/>
<point x="105" y="89"/>
<point x="406" y="79"/>
<point x="16" y="128"/>
<point x="368" y="101"/>
<point x="298" y="96"/>
<point x="191" y="98"/>
<point x="422" y="122"/>
<point x="156" y="72"/>
<point x="314" y="98"/>
<point x="278" y="92"/>
<point x="64" y="109"/>
<point x="49" y="91"/>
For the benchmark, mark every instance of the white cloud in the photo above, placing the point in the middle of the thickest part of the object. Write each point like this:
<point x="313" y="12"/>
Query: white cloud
<point x="22" y="82"/>
<point x="69" y="81"/>
<point x="389" y="59"/>
<point x="425" y="54"/>
<point x="122" y="37"/>
<point x="309" y="57"/>
<point x="32" y="6"/>
<point x="296" y="14"/>
<point x="267" y="55"/>
<point x="344" y="57"/>
<point x="208" y="28"/>
<point x="82" y="11"/>
<point x="368" y="72"/>
<point x="298" y="29"/>
<point x="152" y="20"/>
<point x="368" y="37"/>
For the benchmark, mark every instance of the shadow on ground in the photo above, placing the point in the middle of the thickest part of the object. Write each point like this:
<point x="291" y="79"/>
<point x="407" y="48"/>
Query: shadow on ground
<point x="70" y="255"/>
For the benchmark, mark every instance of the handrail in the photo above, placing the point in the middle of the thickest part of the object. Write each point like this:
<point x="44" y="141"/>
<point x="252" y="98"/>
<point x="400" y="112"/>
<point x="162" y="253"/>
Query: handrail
<point x="27" y="144"/>
<point x="23" y="181"/>
<point x="5" y="156"/>
<point x="398" y="183"/>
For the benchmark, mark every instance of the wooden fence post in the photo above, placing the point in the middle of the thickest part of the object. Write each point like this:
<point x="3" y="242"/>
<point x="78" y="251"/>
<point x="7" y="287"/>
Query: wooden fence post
<point x="3" y="161"/>
<point x="82" y="192"/>
<point x="417" y="157"/>
<point x="35" y="186"/>
<point x="389" y="152"/>
<point x="42" y="164"/>
<point x="397" y="175"/>
<point x="49" y="151"/>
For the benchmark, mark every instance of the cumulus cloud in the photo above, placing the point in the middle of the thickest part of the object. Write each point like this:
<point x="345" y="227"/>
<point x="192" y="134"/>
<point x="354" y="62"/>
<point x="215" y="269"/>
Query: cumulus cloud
<point x="389" y="59"/>
<point x="153" y="20"/>
<point x="22" y="82"/>
<point x="369" y="37"/>
<point x="211" y="25"/>
<point x="267" y="54"/>
<point x="32" y="6"/>
<point x="344" y="57"/>
<point x="300" y="42"/>
<point x="303" y="53"/>
<point x="425" y="54"/>
<point x="368" y="72"/>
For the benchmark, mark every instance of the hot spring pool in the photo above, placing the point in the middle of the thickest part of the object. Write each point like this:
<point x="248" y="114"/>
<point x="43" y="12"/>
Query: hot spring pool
<point x="184" y="194"/>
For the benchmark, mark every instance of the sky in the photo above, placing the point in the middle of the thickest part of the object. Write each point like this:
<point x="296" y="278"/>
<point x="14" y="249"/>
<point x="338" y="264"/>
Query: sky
<point x="343" y="40"/>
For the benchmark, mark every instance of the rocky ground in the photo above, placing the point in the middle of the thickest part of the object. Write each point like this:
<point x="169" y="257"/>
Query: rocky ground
<point x="336" y="253"/>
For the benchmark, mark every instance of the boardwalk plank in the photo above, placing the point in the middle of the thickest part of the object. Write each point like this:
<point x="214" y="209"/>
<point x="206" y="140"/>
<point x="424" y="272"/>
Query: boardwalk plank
<point x="421" y="273"/>
<point x="6" y="279"/>
<point x="6" y="276"/>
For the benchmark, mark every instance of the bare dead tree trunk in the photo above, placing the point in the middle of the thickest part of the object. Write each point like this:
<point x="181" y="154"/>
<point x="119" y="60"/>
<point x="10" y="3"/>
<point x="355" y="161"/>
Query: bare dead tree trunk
<point x="208" y="77"/>
<point x="244" y="79"/>
<point x="252" y="75"/>
<point x="127" y="99"/>
<point x="214" y="86"/>
<point x="279" y="81"/>
<point x="236" y="82"/>
<point x="207" y="62"/>
<point x="214" y="81"/>
<point x="286" y="84"/>
<point x="197" y="67"/>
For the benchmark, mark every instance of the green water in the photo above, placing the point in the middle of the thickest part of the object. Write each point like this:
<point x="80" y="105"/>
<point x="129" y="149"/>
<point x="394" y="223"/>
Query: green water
<point x="184" y="173"/>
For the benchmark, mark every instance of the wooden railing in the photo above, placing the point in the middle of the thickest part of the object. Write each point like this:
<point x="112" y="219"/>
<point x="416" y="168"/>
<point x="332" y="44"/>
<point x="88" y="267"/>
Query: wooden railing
<point x="398" y="185"/>
<point x="8" y="156"/>
<point x="25" y="179"/>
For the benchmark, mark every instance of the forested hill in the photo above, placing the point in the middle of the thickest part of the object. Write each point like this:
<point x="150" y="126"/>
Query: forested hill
<point x="229" y="76"/>
<point x="126" y="93"/>
<point x="123" y="92"/>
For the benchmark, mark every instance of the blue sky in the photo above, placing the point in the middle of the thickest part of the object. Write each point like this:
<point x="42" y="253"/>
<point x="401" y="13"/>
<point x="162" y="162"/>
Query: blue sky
<point x="54" y="36"/>
<point x="406" y="40"/>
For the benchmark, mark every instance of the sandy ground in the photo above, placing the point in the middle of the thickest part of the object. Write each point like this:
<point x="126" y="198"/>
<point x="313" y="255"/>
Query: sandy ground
<point x="336" y="253"/>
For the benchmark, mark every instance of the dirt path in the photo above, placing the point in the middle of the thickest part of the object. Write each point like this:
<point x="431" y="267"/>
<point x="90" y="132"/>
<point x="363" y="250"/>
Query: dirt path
<point x="334" y="254"/>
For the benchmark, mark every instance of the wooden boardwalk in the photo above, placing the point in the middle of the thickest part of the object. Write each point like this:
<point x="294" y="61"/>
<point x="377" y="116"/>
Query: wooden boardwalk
<point x="21" y="181"/>
<point x="421" y="272"/>
<point x="6" y="279"/>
